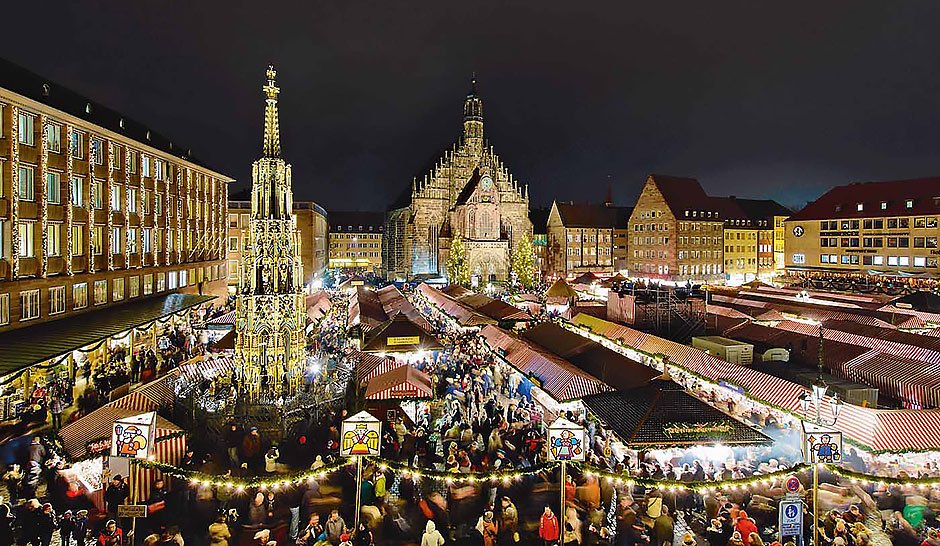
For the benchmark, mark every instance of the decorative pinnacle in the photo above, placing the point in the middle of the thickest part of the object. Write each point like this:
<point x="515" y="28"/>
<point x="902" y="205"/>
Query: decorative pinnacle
<point x="272" y="132"/>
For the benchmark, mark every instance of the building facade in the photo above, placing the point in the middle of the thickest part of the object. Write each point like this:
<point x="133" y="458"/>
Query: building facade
<point x="356" y="241"/>
<point x="582" y="238"/>
<point x="311" y="220"/>
<point x="270" y="315"/>
<point x="469" y="193"/>
<point x="751" y="238"/>
<point x="885" y="228"/>
<point x="97" y="210"/>
<point x="676" y="232"/>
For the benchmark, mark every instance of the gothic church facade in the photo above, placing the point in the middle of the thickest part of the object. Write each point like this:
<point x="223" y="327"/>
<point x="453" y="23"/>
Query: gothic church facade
<point x="469" y="192"/>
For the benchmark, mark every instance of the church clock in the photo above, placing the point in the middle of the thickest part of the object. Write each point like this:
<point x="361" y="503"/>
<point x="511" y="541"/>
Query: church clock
<point x="486" y="183"/>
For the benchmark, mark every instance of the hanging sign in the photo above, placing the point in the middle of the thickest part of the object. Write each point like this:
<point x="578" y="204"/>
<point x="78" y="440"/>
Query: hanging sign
<point x="821" y="445"/>
<point x="361" y="435"/>
<point x="133" y="437"/>
<point x="393" y="341"/>
<point x="566" y="441"/>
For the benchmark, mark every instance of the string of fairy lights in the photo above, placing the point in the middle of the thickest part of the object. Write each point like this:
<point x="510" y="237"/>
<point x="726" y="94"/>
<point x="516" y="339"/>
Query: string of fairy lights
<point x="509" y="477"/>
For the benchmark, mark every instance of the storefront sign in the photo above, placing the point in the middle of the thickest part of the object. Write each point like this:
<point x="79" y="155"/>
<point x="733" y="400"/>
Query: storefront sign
<point x="132" y="511"/>
<point x="565" y="441"/>
<point x="403" y="340"/>
<point x="98" y="447"/>
<point x="361" y="435"/>
<point x="697" y="429"/>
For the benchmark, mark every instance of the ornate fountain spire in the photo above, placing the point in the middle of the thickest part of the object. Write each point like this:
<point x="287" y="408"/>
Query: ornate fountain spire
<point x="272" y="132"/>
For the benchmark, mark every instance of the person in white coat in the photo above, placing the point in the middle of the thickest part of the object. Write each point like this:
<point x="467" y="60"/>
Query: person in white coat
<point x="432" y="537"/>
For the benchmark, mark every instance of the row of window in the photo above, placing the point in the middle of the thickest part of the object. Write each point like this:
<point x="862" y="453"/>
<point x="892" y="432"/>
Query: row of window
<point x="356" y="255"/>
<point x="740" y="248"/>
<point x="878" y="242"/>
<point x="355" y="245"/>
<point x="699" y="254"/>
<point x="740" y="263"/>
<point x="30" y="300"/>
<point x="925" y="222"/>
<point x="897" y="261"/>
<point x="26" y="135"/>
<point x="908" y="203"/>
<point x="651" y="240"/>
<point x="138" y="239"/>
<point x="355" y="235"/>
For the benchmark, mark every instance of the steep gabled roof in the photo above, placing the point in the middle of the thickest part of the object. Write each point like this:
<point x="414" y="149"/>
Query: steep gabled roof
<point x="843" y="201"/>
<point x="593" y="215"/>
<point x="682" y="194"/>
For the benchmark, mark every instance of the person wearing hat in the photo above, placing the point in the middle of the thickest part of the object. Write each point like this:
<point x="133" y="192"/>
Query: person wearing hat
<point x="116" y="493"/>
<point x="549" y="529"/>
<point x="80" y="530"/>
<point x="509" y="522"/>
<point x="688" y="539"/>
<point x="111" y="534"/>
<point x="251" y="447"/>
<point x="67" y="529"/>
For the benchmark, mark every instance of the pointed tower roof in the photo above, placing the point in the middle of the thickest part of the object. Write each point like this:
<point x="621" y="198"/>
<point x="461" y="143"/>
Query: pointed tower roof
<point x="272" y="131"/>
<point x="473" y="105"/>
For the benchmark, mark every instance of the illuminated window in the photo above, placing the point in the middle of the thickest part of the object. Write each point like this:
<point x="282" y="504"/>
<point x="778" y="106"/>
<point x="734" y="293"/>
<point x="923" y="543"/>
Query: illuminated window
<point x="101" y="292"/>
<point x="118" y="289"/>
<point x="4" y="309"/>
<point x="54" y="239"/>
<point x="26" y="126"/>
<point x="80" y="295"/>
<point x="29" y="305"/>
<point x="27" y="183"/>
<point x="27" y="232"/>
<point x="56" y="300"/>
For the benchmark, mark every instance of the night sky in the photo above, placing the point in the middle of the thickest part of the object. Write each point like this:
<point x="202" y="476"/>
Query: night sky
<point x="754" y="98"/>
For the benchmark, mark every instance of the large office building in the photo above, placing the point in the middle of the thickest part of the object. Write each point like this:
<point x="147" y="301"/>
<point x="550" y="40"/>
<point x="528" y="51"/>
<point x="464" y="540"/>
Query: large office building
<point x="107" y="230"/>
<point x="311" y="220"/>
<point x="887" y="228"/>
<point x="97" y="210"/>
<point x="584" y="238"/>
<point x="676" y="232"/>
<point x="356" y="241"/>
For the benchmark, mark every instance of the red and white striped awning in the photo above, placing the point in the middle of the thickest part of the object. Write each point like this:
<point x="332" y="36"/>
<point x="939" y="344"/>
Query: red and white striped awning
<point x="915" y="382"/>
<point x="403" y="382"/>
<point x="878" y="430"/>
<point x="369" y="365"/>
<point x="561" y="379"/>
<point x="99" y="423"/>
<point x="226" y="319"/>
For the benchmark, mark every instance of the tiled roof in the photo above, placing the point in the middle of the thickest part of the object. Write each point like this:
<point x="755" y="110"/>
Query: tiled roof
<point x="843" y="201"/>
<point x="613" y="368"/>
<point x="753" y="210"/>
<point x="33" y="86"/>
<point x="356" y="222"/>
<point x="591" y="215"/>
<point x="682" y="194"/>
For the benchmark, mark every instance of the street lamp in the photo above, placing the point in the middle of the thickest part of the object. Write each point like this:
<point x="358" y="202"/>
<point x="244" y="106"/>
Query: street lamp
<point x="814" y="399"/>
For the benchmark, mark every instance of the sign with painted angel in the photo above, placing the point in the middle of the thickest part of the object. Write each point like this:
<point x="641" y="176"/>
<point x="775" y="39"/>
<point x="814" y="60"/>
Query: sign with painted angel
<point x="361" y="435"/>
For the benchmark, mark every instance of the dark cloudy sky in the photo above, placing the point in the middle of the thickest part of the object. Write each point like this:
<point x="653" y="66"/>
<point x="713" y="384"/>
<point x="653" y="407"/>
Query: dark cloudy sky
<point x="755" y="98"/>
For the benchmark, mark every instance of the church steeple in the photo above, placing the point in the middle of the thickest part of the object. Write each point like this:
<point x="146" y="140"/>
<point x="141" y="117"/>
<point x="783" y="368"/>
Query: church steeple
<point x="473" y="117"/>
<point x="272" y="131"/>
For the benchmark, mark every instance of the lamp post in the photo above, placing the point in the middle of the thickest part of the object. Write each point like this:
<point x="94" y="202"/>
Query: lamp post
<point x="813" y="399"/>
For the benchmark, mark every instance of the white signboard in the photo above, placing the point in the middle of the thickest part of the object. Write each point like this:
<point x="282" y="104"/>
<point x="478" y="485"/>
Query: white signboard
<point x="791" y="519"/>
<point x="361" y="435"/>
<point x="566" y="441"/>
<point x="133" y="437"/>
<point x="821" y="445"/>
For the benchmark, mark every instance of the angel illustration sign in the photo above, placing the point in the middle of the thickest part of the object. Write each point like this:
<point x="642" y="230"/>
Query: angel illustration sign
<point x="133" y="437"/>
<point x="361" y="435"/>
<point x="566" y="441"/>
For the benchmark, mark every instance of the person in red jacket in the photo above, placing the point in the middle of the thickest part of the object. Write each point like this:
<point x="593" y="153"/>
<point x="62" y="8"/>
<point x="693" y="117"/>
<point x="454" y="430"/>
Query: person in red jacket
<point x="548" y="527"/>
<point x="745" y="526"/>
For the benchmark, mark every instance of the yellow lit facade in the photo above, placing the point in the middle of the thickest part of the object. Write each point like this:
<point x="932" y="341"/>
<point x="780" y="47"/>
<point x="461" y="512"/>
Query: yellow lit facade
<point x="356" y="240"/>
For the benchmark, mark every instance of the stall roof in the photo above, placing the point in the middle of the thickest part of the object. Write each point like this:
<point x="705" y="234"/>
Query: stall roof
<point x="614" y="369"/>
<point x="493" y="308"/>
<point x="98" y="424"/>
<point x="401" y="382"/>
<point x="662" y="414"/>
<point x="400" y="327"/>
<point x="24" y="347"/>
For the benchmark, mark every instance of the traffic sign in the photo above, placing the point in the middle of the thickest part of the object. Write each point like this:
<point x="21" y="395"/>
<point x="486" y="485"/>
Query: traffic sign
<point x="132" y="511"/>
<point x="791" y="519"/>
<point x="793" y="484"/>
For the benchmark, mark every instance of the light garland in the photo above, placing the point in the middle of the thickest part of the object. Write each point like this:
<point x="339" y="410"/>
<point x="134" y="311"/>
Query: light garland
<point x="43" y="196"/>
<point x="514" y="476"/>
<point x="69" y="201"/>
<point x="15" y="192"/>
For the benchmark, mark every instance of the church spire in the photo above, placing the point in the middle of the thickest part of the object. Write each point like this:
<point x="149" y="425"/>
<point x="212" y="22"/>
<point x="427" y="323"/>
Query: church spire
<point x="272" y="131"/>
<point x="473" y="117"/>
